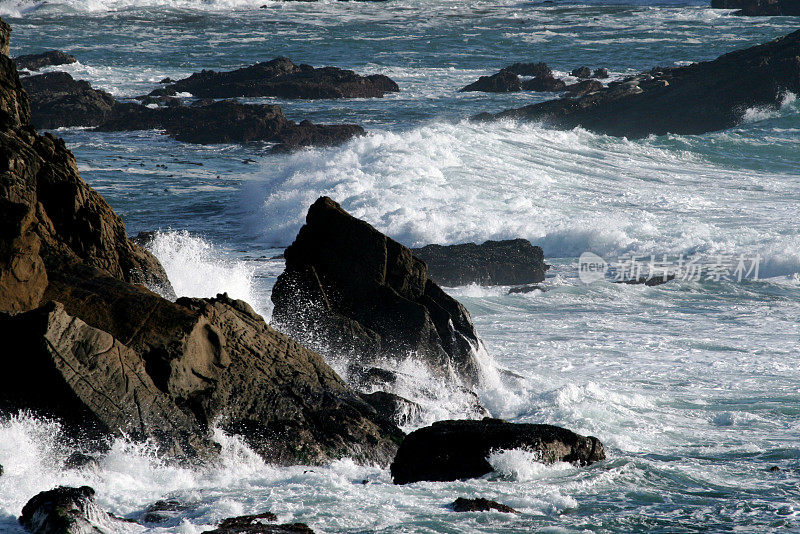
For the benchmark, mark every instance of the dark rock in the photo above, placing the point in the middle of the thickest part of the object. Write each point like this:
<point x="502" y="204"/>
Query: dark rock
<point x="348" y="289"/>
<point x="526" y="289"/>
<point x="689" y="100"/>
<point x="480" y="505"/>
<point x="1" y="470"/>
<point x="453" y="450"/>
<point x="529" y="69"/>
<point x="264" y="528"/>
<point x="293" y="135"/>
<point x="760" y="8"/>
<point x="66" y="510"/>
<point x="582" y="72"/>
<point x="166" y="80"/>
<point x="282" y="78"/>
<point x="393" y="407"/>
<point x="364" y="378"/>
<point x="584" y="87"/>
<point x="45" y="59"/>
<point x="57" y="100"/>
<point x="775" y="469"/>
<point x="505" y="263"/>
<point x="649" y="281"/>
<point x="165" y="510"/>
<point x="78" y="460"/>
<point x="502" y="82"/>
<point x="601" y="73"/>
<point x="545" y="83"/>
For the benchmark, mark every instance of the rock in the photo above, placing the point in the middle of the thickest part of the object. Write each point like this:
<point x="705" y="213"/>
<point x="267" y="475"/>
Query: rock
<point x="45" y="59"/>
<point x="545" y="83"/>
<point x="698" y="98"/>
<point x="58" y="101"/>
<point x="78" y="460"/>
<point x="1" y="470"/>
<point x="463" y="504"/>
<point x="393" y="407"/>
<point x="775" y="469"/>
<point x="502" y="82"/>
<point x="601" y="73"/>
<point x="529" y="69"/>
<point x="649" y="281"/>
<point x="258" y="524"/>
<point x="454" y="450"/>
<point x="582" y="72"/>
<point x="760" y="8"/>
<point x="349" y="290"/>
<point x="165" y="510"/>
<point x="166" y="80"/>
<point x="66" y="510"/>
<point x="584" y="87"/>
<point x="526" y="289"/>
<point x="283" y="79"/>
<point x="505" y="263"/>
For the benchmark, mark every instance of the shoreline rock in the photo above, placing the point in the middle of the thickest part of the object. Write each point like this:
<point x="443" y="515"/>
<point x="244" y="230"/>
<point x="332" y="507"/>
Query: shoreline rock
<point x="34" y="62"/>
<point x="760" y="8"/>
<point x="480" y="504"/>
<point x="695" y="99"/>
<point x="507" y="79"/>
<point x="68" y="510"/>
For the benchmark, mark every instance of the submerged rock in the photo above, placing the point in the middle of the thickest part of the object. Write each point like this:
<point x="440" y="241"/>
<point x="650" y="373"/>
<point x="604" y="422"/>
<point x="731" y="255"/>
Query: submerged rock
<point x="760" y="8"/>
<point x="463" y="504"/>
<point x="283" y="79"/>
<point x="45" y="59"/>
<point x="165" y="510"/>
<point x="350" y="290"/>
<point x="66" y="510"/>
<point x="505" y="263"/>
<point x="502" y="82"/>
<point x="258" y="524"/>
<point x="454" y="450"/>
<point x="78" y="460"/>
<point x="649" y="281"/>
<point x="695" y="99"/>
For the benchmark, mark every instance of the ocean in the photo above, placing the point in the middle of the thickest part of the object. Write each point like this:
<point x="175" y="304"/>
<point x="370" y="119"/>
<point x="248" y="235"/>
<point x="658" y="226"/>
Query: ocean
<point x="693" y="386"/>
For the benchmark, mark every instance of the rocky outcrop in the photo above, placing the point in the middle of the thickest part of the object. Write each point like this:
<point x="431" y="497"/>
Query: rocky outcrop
<point x="505" y="263"/>
<point x="45" y="59"/>
<point x="258" y="524"/>
<point x="58" y="100"/>
<point x="694" y="99"/>
<point x="454" y="450"/>
<point x="507" y="80"/>
<point x="529" y="69"/>
<point x="462" y="504"/>
<point x="584" y="87"/>
<point x="502" y="82"/>
<point x="760" y="8"/>
<point x="283" y="79"/>
<point x="66" y="510"/>
<point x="350" y="290"/>
<point x="544" y="83"/>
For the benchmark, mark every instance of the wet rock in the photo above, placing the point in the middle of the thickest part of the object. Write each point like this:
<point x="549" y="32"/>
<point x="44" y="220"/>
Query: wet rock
<point x="348" y="289"/>
<point x="165" y="510"/>
<point x="57" y="100"/>
<point x="1" y="470"/>
<point x="649" y="281"/>
<point x="502" y="82"/>
<point x="545" y="83"/>
<point x="698" y="98"/>
<point x="582" y="72"/>
<point x="526" y="289"/>
<point x="167" y="80"/>
<point x="66" y="510"/>
<point x="394" y="407"/>
<point x="775" y="469"/>
<point x="282" y="78"/>
<point x="454" y="450"/>
<point x="35" y="62"/>
<point x="463" y="504"/>
<point x="601" y="73"/>
<point x="584" y="87"/>
<point x="760" y="8"/>
<point x="259" y="524"/>
<point x="509" y="262"/>
<point x="529" y="69"/>
<point x="78" y="460"/>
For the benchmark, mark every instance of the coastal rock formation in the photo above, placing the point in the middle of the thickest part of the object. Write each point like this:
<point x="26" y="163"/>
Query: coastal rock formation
<point x="66" y="510"/>
<point x="110" y="357"/>
<point x="584" y="87"/>
<point x="283" y="79"/>
<point x="350" y="290"/>
<point x="529" y="69"/>
<point x="258" y="524"/>
<point x="45" y="59"/>
<point x="463" y="504"/>
<point x="694" y="99"/>
<point x="505" y="263"/>
<point x="581" y="72"/>
<point x="165" y="510"/>
<point x="760" y="8"/>
<point x="454" y="450"/>
<point x="544" y="83"/>
<point x="58" y="100"/>
<point x="502" y="82"/>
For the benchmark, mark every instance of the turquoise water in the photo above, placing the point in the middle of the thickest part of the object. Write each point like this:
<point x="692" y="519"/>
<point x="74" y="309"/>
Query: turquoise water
<point x="693" y="386"/>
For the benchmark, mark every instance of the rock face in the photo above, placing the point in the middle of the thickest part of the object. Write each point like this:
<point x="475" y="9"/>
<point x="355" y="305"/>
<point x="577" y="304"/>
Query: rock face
<point x="504" y="263"/>
<point x="283" y="79"/>
<point x="454" y="450"/>
<point x="348" y="289"/>
<point x="87" y="343"/>
<point x="66" y="510"/>
<point x="694" y="99"/>
<point x="480" y="505"/>
<point x="58" y="100"/>
<point x="760" y="8"/>
<point x="45" y="59"/>
<point x="502" y="82"/>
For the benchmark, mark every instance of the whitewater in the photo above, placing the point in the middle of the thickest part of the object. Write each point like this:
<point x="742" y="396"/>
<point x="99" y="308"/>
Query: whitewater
<point x="693" y="386"/>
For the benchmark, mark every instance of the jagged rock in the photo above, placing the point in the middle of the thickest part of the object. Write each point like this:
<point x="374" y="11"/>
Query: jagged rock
<point x="694" y="99"/>
<point x="760" y="8"/>
<point x="394" y="407"/>
<point x="165" y="510"/>
<point x="348" y="289"/>
<point x="509" y="262"/>
<point x="453" y="450"/>
<point x="601" y="73"/>
<point x="78" y="460"/>
<point x="282" y="78"/>
<point x="463" y="504"/>
<point x="529" y="69"/>
<point x="502" y="82"/>
<point x="584" y="87"/>
<point x="45" y="59"/>
<point x="649" y="281"/>
<point x="66" y="510"/>
<point x="58" y="100"/>
<point x="581" y="72"/>
<point x="544" y="83"/>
